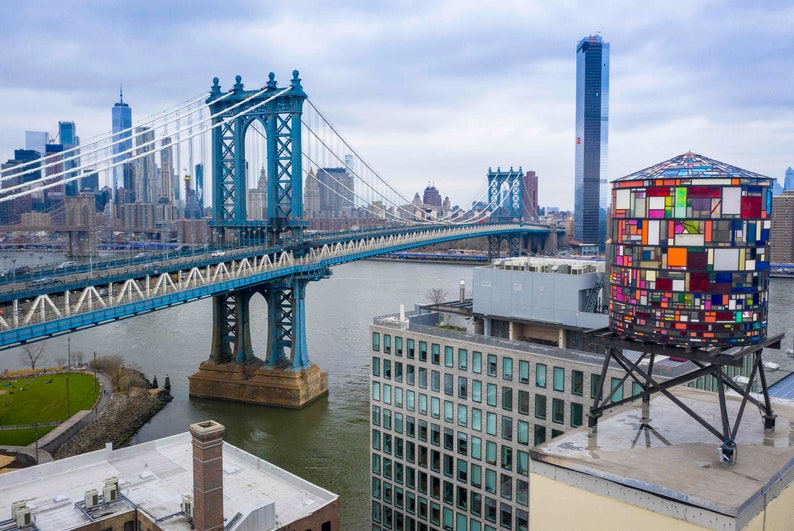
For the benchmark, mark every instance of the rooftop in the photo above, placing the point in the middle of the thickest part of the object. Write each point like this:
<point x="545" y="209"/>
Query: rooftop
<point x="154" y="476"/>
<point x="677" y="460"/>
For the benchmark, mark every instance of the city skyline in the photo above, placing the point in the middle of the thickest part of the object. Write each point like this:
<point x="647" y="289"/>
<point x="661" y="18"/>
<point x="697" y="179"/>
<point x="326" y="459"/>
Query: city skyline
<point x="487" y="88"/>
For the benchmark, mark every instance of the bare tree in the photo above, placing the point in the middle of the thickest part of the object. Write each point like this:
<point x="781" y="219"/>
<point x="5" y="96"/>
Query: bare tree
<point x="31" y="353"/>
<point x="436" y="295"/>
<point x="60" y="361"/>
<point x="113" y="366"/>
<point x="78" y="357"/>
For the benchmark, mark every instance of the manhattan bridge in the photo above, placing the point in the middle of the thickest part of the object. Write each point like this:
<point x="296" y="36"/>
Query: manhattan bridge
<point x="276" y="257"/>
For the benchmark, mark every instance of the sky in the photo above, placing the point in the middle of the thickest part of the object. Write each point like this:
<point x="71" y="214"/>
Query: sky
<point x="427" y="91"/>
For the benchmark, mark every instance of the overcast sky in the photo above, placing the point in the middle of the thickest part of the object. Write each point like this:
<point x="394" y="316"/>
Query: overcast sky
<point x="426" y="90"/>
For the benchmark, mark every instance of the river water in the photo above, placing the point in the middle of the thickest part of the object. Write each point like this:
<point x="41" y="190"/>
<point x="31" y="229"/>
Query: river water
<point x="327" y="442"/>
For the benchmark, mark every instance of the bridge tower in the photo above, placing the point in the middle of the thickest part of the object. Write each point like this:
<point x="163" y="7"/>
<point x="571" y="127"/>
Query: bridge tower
<point x="286" y="377"/>
<point x="505" y="189"/>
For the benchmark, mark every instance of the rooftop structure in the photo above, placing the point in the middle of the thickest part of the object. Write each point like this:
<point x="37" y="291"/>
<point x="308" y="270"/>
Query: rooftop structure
<point x="665" y="473"/>
<point x="689" y="260"/>
<point x="169" y="484"/>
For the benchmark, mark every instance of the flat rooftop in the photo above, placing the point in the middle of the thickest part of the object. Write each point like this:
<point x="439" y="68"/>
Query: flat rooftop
<point x="678" y="459"/>
<point x="154" y="476"/>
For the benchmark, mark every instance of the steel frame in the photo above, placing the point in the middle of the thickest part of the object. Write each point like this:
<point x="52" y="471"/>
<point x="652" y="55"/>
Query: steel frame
<point x="515" y="188"/>
<point x="708" y="361"/>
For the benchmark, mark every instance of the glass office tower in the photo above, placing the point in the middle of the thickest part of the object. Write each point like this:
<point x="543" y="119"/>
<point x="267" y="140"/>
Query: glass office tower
<point x="122" y="138"/>
<point x="592" y="124"/>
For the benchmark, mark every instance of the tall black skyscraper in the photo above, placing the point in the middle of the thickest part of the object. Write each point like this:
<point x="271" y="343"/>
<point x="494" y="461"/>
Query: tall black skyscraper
<point x="592" y="125"/>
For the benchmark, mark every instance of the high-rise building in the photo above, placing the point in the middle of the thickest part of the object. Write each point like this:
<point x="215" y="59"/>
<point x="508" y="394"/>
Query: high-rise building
<point x="145" y="187"/>
<point x="311" y="195"/>
<point x="169" y="184"/>
<point x="36" y="141"/>
<point x="431" y="196"/>
<point x="67" y="135"/>
<point x="529" y="197"/>
<point x="336" y="191"/>
<point x="199" y="188"/>
<point x="257" y="198"/>
<point x="781" y="235"/>
<point x="788" y="182"/>
<point x="592" y="125"/>
<point x="122" y="140"/>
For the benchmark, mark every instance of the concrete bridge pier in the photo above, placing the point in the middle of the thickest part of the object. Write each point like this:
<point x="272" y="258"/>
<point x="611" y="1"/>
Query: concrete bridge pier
<point x="234" y="373"/>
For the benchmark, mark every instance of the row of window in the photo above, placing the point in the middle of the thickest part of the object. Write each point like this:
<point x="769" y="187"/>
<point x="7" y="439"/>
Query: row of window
<point x="424" y="509"/>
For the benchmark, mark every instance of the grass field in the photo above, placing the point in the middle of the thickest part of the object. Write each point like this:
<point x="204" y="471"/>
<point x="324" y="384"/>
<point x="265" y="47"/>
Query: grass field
<point x="43" y="400"/>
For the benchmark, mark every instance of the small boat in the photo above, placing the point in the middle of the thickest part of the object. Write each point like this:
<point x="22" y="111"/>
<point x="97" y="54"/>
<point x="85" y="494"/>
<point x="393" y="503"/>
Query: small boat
<point x="771" y="365"/>
<point x="741" y="380"/>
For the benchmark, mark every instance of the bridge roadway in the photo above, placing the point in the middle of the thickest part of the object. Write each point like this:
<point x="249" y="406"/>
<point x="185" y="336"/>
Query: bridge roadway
<point x="92" y="297"/>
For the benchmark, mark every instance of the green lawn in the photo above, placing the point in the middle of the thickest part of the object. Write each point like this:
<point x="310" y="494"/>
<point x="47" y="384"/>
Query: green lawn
<point x="42" y="402"/>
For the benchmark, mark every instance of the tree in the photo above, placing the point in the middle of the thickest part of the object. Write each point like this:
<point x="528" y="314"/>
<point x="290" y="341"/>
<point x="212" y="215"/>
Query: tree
<point x="60" y="361"/>
<point x="436" y="295"/>
<point x="31" y="353"/>
<point x="78" y="357"/>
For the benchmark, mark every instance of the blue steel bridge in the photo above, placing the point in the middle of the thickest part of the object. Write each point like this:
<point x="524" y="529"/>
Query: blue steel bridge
<point x="275" y="257"/>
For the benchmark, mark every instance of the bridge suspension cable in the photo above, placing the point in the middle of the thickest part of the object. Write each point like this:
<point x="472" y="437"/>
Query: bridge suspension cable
<point x="31" y="185"/>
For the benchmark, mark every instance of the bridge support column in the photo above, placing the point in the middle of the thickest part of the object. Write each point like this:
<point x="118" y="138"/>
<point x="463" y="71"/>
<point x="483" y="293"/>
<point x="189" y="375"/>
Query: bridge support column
<point x="285" y="380"/>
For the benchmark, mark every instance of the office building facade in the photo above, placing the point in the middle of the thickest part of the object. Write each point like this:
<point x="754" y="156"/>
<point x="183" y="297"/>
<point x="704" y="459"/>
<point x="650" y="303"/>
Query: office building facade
<point x="592" y="126"/>
<point x="781" y="236"/>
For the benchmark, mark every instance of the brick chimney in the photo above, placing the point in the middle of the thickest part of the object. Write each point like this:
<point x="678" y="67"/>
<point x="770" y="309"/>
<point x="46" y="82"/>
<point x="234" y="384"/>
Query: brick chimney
<point x="207" y="475"/>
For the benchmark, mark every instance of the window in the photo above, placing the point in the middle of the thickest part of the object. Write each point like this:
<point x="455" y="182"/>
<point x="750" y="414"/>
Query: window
<point x="387" y="443"/>
<point x="523" y="372"/>
<point x="595" y="385"/>
<point x="422" y="378"/>
<point x="476" y="448"/>
<point x="637" y="389"/>
<point x="410" y="354"/>
<point x="476" y="419"/>
<point x="376" y="391"/>
<point x="375" y="341"/>
<point x="423" y="430"/>
<point x="409" y="374"/>
<point x="398" y="345"/>
<point x="435" y="434"/>
<point x="449" y="466"/>
<point x="506" y="486"/>
<point x="523" y="432"/>
<point x="491" y="365"/>
<point x="386" y="419"/>
<point x="540" y="375"/>
<point x="490" y="481"/>
<point x="423" y="403"/>
<point x="448" y="411"/>
<point x="410" y="398"/>
<point x="463" y="415"/>
<point x="507" y="398"/>
<point x="577" y="383"/>
<point x="576" y="415"/>
<point x="476" y="476"/>
<point x="435" y="352"/>
<point x="559" y="379"/>
<point x="507" y="368"/>
<point x="435" y="380"/>
<point x="435" y="407"/>
<point x="522" y="466"/>
<point x="540" y="434"/>
<point x="376" y="465"/>
<point x="463" y="443"/>
<point x="505" y="515"/>
<point x="617" y="383"/>
<point x="522" y="494"/>
<point x="490" y="452"/>
<point x="523" y="402"/>
<point x="449" y="386"/>
<point x="490" y="423"/>
<point x="387" y="343"/>
<point x="540" y="407"/>
<point x="476" y="390"/>
<point x="476" y="362"/>
<point x="423" y="351"/>
<point x="449" y="352"/>
<point x="387" y="369"/>
<point x="386" y="394"/>
<point x="492" y="395"/>
<point x="475" y="506"/>
<point x="490" y="509"/>
<point x="507" y="428"/>
<point x="557" y="410"/>
<point x="376" y="415"/>
<point x="398" y="372"/>
<point x="462" y="387"/>
<point x="462" y="358"/>
<point x="398" y="397"/>
<point x="375" y="366"/>
<point x="449" y="439"/>
<point x="398" y="422"/>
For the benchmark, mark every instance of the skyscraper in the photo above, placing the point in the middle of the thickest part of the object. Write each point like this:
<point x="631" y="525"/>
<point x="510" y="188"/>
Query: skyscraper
<point x="145" y="187"/>
<point x="169" y="185"/>
<point x="67" y="134"/>
<point x="122" y="138"/>
<point x="592" y="125"/>
<point x="788" y="183"/>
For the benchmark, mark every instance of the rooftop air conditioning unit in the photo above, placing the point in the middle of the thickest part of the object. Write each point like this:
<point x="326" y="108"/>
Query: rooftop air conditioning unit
<point x="91" y="498"/>
<point x="16" y="506"/>
<point x="110" y="493"/>
<point x="112" y="480"/>
<point x="23" y="517"/>
<point x="187" y="505"/>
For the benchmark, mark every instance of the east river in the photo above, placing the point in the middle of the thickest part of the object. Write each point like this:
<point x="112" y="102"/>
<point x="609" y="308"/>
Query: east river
<point x="327" y="442"/>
